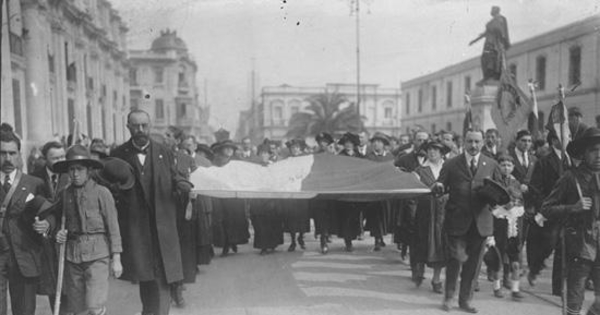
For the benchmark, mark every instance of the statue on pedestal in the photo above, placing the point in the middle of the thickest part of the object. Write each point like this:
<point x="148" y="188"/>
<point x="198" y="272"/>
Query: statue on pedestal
<point x="495" y="45"/>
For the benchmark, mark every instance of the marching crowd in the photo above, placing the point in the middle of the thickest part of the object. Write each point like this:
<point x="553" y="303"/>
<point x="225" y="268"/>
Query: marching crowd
<point x="85" y="212"/>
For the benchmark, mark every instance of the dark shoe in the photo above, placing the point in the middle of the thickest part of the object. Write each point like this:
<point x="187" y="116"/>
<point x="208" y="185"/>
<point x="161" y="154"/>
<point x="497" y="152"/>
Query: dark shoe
<point x="292" y="247"/>
<point x="437" y="287"/>
<point x="531" y="278"/>
<point x="234" y="248"/>
<point x="349" y="247"/>
<point x="225" y="251"/>
<point x="263" y="252"/>
<point x="468" y="308"/>
<point x="499" y="294"/>
<point x="517" y="296"/>
<point x="447" y="305"/>
<point x="381" y="242"/>
<point x="418" y="281"/>
<point x="377" y="248"/>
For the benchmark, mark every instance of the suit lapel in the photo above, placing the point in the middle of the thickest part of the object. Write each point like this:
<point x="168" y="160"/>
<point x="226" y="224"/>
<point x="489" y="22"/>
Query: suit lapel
<point x="463" y="165"/>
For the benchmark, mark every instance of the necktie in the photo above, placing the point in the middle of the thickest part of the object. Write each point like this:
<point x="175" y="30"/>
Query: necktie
<point x="6" y="185"/>
<point x="473" y="166"/>
<point x="54" y="181"/>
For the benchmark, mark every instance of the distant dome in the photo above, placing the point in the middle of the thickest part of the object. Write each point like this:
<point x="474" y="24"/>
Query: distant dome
<point x="168" y="40"/>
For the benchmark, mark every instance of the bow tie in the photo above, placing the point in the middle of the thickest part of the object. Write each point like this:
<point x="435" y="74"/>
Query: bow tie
<point x="140" y="150"/>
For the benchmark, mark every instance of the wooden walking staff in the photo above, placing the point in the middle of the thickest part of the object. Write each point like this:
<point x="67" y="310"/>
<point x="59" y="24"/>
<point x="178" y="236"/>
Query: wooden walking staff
<point x="61" y="269"/>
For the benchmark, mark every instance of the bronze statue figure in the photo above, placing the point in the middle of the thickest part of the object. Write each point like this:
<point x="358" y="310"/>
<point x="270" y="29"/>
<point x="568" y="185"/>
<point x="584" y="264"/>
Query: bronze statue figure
<point x="496" y="43"/>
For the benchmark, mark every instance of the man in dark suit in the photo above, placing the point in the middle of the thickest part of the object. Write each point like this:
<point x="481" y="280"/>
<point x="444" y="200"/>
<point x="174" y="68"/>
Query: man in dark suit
<point x="491" y="148"/>
<point x="20" y="244"/>
<point x="576" y="124"/>
<point x="468" y="218"/>
<point x="147" y="216"/>
<point x="52" y="152"/>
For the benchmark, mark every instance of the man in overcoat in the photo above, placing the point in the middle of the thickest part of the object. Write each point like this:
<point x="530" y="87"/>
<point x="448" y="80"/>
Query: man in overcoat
<point x="468" y="220"/>
<point x="147" y="216"/>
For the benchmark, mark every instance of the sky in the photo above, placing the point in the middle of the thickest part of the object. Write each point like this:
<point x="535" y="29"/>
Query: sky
<point x="311" y="43"/>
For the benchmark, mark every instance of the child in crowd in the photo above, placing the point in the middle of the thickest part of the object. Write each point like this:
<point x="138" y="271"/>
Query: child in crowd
<point x="508" y="231"/>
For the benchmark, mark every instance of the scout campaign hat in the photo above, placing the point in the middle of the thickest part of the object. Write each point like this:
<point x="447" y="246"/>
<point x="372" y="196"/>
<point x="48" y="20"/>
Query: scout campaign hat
<point x="323" y="136"/>
<point x="117" y="172"/>
<point x="494" y="192"/>
<point x="381" y="136"/>
<point x="350" y="137"/>
<point x="77" y="154"/>
<point x="493" y="259"/>
<point x="223" y="144"/>
<point x="444" y="149"/>
<point x="590" y="136"/>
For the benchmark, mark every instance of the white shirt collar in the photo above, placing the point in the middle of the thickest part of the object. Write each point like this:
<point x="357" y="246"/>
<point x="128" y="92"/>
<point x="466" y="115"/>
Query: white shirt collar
<point x="12" y="176"/>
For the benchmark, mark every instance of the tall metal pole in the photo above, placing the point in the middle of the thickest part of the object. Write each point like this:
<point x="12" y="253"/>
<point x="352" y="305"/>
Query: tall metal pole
<point x="358" y="56"/>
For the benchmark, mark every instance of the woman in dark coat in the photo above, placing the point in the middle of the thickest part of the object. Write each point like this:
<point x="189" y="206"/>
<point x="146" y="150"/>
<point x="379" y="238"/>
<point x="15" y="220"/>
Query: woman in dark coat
<point x="230" y="224"/>
<point x="348" y="213"/>
<point x="296" y="215"/>
<point x="202" y="212"/>
<point x="266" y="214"/>
<point x="427" y="243"/>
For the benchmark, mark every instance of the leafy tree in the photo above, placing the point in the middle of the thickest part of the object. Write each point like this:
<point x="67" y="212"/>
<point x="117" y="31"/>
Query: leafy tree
<point x="327" y="112"/>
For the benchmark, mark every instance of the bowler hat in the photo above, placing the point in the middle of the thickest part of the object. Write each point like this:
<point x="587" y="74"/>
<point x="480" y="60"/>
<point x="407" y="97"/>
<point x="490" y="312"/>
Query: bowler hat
<point x="381" y="136"/>
<point x="577" y="147"/>
<point x="323" y="136"/>
<point x="493" y="192"/>
<point x="350" y="137"/>
<point x="223" y="144"/>
<point x="118" y="172"/>
<point x="444" y="149"/>
<point x="76" y="154"/>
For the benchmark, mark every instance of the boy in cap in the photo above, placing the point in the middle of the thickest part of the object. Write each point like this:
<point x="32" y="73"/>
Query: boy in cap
<point x="91" y="234"/>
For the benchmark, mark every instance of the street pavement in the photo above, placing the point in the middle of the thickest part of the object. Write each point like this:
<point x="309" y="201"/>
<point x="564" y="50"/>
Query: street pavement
<point x="306" y="282"/>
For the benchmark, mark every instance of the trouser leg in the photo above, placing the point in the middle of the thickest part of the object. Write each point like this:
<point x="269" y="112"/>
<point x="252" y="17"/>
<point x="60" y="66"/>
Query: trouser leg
<point x="577" y="273"/>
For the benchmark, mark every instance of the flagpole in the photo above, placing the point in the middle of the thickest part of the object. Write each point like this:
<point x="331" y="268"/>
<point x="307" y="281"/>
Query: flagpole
<point x="563" y="261"/>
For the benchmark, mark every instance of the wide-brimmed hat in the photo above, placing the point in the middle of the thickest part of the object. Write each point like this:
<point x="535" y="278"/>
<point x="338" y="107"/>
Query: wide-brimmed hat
<point x="590" y="136"/>
<point x="223" y="144"/>
<point x="299" y="142"/>
<point x="76" y="154"/>
<point x="494" y="192"/>
<point x="323" y="136"/>
<point x="351" y="138"/>
<point x="493" y="259"/>
<point x="444" y="149"/>
<point x="381" y="136"/>
<point x="204" y="148"/>
<point x="117" y="172"/>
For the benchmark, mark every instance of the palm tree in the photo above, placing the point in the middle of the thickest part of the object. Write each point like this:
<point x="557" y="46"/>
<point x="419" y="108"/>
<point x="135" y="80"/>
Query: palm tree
<point x="326" y="113"/>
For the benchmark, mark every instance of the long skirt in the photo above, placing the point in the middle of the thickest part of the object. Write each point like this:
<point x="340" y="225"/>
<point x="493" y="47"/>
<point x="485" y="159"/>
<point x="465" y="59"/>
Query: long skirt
<point x="187" y="241"/>
<point x="267" y="222"/>
<point x="377" y="217"/>
<point x="204" y="239"/>
<point x="230" y="224"/>
<point x="296" y="216"/>
<point x="325" y="217"/>
<point x="348" y="214"/>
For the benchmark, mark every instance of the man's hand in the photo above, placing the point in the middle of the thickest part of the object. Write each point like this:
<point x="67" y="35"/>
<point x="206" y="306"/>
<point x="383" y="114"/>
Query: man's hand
<point x="584" y="204"/>
<point x="61" y="236"/>
<point x="524" y="188"/>
<point x="116" y="267"/>
<point x="184" y="186"/>
<point x="41" y="227"/>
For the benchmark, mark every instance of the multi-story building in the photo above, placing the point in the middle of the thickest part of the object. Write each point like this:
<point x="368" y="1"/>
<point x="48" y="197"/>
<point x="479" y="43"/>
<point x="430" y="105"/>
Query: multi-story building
<point x="64" y="62"/>
<point x="162" y="81"/>
<point x="270" y="117"/>
<point x="568" y="55"/>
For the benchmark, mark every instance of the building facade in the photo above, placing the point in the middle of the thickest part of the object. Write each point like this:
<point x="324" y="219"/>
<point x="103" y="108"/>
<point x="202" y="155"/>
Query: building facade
<point x="163" y="82"/>
<point x="270" y="117"/>
<point x="568" y="55"/>
<point x="64" y="64"/>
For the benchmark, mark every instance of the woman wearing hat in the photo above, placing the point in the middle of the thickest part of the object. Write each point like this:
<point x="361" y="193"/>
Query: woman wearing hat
<point x="296" y="215"/>
<point x="266" y="213"/>
<point x="230" y="225"/>
<point x="427" y="238"/>
<point x="575" y="200"/>
<point x="348" y="213"/>
<point x="91" y="234"/>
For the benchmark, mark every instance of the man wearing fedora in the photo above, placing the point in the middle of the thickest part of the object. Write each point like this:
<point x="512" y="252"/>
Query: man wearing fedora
<point x="147" y="216"/>
<point x="91" y="234"/>
<point x="20" y="245"/>
<point x="468" y="220"/>
<point x="575" y="201"/>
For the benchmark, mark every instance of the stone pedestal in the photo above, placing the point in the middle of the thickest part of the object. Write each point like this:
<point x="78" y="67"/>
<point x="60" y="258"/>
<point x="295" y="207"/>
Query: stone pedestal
<point x="483" y="98"/>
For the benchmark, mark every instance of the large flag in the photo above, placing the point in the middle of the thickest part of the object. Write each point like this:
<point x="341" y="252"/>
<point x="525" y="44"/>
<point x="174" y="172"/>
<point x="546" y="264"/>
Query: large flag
<point x="558" y="122"/>
<point x="322" y="176"/>
<point x="511" y="110"/>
